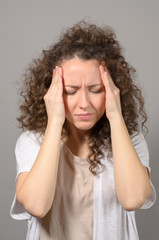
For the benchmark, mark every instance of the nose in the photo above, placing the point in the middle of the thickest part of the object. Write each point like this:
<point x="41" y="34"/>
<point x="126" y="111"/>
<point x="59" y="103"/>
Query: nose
<point x="83" y="101"/>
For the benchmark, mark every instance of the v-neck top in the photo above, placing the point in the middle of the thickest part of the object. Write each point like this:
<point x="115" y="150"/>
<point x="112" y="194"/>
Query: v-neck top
<point x="71" y="214"/>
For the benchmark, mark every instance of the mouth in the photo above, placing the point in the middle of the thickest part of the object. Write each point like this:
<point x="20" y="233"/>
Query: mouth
<point x="84" y="116"/>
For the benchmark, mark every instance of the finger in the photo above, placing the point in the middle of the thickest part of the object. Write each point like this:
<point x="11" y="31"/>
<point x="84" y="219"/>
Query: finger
<point x="57" y="80"/>
<point x="53" y="84"/>
<point x="107" y="79"/>
<point x="54" y="77"/>
<point x="56" y="74"/>
<point x="111" y="81"/>
<point x="60" y="80"/>
<point x="104" y="75"/>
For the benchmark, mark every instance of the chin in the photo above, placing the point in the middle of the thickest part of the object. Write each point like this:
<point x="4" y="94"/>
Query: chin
<point x="82" y="125"/>
<point x="85" y="126"/>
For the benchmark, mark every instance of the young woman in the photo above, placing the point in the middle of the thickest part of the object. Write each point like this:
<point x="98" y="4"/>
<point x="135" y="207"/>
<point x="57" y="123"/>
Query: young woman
<point x="82" y="160"/>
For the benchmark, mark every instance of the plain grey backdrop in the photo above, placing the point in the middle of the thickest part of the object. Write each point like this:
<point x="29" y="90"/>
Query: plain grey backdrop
<point x="26" y="27"/>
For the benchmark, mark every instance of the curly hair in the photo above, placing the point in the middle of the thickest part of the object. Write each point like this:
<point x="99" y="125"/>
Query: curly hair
<point x="86" y="41"/>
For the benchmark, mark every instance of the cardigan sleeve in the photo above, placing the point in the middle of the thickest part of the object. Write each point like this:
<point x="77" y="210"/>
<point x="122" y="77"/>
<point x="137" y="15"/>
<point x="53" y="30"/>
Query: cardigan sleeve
<point x="26" y="151"/>
<point x="141" y="148"/>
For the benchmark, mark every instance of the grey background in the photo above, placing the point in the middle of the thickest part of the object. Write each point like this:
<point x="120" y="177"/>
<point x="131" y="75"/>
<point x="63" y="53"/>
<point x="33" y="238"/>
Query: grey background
<point x="26" y="27"/>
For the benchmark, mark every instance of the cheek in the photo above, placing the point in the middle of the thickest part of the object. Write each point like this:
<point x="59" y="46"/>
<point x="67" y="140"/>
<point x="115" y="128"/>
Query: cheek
<point x="69" y="105"/>
<point x="100" y="102"/>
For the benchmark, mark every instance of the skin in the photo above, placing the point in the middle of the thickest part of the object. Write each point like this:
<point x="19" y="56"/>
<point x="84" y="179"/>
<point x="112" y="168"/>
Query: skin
<point x="35" y="189"/>
<point x="83" y="93"/>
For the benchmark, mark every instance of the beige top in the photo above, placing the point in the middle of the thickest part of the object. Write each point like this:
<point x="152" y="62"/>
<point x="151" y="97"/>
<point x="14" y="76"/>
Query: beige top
<point x="71" y="215"/>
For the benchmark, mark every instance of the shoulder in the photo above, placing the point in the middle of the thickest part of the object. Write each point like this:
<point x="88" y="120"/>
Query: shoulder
<point x="28" y="139"/>
<point x="26" y="150"/>
<point x="30" y="136"/>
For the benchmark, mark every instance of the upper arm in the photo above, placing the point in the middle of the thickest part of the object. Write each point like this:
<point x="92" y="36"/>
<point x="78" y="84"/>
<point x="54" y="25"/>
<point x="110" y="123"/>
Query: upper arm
<point x="26" y="151"/>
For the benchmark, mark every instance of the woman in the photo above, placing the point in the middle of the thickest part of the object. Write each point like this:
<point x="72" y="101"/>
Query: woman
<point x="82" y="161"/>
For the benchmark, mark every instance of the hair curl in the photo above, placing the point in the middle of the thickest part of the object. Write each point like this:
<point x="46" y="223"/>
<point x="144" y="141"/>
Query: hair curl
<point x="86" y="41"/>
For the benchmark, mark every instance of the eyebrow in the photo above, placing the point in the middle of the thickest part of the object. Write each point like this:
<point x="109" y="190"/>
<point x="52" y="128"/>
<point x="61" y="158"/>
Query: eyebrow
<point x="75" y="86"/>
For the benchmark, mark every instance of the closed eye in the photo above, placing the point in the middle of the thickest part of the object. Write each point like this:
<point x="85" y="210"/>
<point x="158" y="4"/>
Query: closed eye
<point x="69" y="93"/>
<point x="102" y="89"/>
<point x="97" y="91"/>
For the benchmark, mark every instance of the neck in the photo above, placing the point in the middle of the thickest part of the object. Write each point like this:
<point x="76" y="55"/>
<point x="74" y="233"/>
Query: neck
<point x="76" y="135"/>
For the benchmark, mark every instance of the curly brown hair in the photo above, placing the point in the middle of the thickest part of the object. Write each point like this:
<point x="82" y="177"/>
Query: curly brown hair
<point x="86" y="41"/>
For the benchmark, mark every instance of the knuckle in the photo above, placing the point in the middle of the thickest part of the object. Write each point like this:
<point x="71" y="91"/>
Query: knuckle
<point x="116" y="91"/>
<point x="45" y="97"/>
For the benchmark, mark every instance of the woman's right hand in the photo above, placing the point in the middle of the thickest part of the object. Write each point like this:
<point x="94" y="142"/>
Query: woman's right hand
<point x="54" y="98"/>
<point x="35" y="188"/>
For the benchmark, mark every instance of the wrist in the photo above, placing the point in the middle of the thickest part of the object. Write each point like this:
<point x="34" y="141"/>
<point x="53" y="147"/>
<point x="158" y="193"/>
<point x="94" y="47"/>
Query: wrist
<point x="55" y="124"/>
<point x="118" y="120"/>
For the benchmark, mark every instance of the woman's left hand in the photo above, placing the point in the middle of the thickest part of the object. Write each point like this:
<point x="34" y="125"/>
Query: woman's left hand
<point x="112" y="99"/>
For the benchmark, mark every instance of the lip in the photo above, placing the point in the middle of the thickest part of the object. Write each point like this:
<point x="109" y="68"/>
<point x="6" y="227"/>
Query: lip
<point x="84" y="116"/>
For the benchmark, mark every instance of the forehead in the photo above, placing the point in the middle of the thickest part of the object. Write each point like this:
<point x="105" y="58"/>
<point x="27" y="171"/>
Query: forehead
<point x="76" y="70"/>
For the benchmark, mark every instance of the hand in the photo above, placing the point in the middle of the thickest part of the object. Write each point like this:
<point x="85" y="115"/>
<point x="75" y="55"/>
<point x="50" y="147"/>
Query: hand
<point x="112" y="104"/>
<point x="54" y="98"/>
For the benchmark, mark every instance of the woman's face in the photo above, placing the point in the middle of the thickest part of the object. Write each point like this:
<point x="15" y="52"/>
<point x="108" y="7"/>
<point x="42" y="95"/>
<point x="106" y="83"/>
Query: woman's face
<point x="84" y="92"/>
